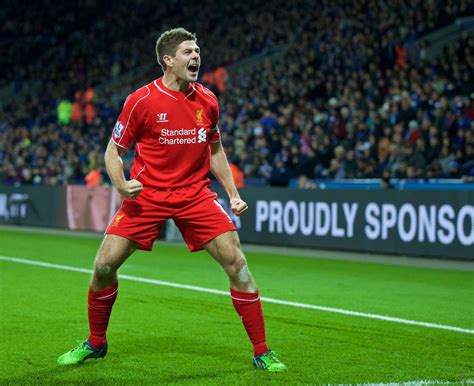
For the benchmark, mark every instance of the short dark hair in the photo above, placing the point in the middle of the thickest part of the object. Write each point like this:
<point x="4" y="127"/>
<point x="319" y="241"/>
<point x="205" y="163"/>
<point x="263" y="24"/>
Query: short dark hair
<point x="168" y="42"/>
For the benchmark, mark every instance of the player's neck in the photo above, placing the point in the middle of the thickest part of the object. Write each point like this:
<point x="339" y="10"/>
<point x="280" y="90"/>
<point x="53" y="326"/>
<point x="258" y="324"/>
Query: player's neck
<point x="173" y="83"/>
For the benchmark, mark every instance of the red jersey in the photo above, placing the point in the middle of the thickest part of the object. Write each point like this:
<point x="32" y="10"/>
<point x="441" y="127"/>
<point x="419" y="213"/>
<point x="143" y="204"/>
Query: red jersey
<point x="172" y="131"/>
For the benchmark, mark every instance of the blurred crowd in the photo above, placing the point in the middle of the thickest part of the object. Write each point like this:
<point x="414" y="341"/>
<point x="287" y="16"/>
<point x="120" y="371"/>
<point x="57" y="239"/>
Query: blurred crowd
<point x="346" y="103"/>
<point x="340" y="99"/>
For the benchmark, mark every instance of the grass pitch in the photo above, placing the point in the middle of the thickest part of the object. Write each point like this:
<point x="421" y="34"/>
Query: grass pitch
<point x="165" y="335"/>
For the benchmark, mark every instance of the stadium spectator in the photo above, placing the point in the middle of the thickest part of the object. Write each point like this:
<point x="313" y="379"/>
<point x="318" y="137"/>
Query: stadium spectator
<point x="237" y="174"/>
<point x="279" y="175"/>
<point x="93" y="178"/>
<point x="64" y="112"/>
<point x="305" y="183"/>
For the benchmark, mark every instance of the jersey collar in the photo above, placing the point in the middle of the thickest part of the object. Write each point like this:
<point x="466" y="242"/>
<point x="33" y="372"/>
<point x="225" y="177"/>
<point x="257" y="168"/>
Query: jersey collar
<point x="177" y="95"/>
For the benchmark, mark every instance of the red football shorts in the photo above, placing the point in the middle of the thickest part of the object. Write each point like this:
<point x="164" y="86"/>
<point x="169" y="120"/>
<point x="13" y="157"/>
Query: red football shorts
<point x="194" y="209"/>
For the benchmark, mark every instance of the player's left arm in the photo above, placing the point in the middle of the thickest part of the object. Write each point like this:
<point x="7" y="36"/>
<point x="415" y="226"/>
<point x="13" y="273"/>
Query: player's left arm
<point x="221" y="170"/>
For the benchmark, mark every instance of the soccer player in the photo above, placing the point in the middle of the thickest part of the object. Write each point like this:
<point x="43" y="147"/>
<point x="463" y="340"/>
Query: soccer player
<point x="173" y="123"/>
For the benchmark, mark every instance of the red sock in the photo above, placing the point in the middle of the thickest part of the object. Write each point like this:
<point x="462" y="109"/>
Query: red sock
<point x="100" y="307"/>
<point x="249" y="308"/>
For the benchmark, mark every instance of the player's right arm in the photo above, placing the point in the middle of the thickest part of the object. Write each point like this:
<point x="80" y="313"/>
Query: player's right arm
<point x="125" y="132"/>
<point x="114" y="165"/>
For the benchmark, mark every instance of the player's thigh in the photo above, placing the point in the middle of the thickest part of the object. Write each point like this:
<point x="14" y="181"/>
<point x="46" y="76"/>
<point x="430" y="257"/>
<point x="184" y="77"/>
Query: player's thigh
<point x="140" y="220"/>
<point x="202" y="219"/>
<point x="225" y="249"/>
<point x="114" y="250"/>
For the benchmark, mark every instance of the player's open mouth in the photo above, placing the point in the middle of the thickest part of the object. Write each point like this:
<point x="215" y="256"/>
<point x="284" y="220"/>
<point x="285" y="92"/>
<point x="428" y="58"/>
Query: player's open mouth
<point x="193" y="68"/>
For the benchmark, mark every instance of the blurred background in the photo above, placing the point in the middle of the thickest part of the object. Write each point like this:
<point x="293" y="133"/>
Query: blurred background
<point x="337" y="96"/>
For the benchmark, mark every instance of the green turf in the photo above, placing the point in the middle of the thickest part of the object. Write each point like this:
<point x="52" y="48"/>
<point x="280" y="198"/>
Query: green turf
<point x="175" y="336"/>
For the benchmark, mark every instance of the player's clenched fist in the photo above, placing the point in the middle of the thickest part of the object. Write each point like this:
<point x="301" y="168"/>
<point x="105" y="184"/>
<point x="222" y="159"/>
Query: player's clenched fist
<point x="238" y="206"/>
<point x="131" y="189"/>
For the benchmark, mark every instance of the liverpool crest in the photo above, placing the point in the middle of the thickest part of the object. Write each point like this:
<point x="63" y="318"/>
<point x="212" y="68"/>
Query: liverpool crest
<point x="199" y="113"/>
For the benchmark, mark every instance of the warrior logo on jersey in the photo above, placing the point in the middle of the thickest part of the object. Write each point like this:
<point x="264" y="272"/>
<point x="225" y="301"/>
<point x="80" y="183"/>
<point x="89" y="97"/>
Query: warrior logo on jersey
<point x="161" y="117"/>
<point x="118" y="128"/>
<point x="199" y="117"/>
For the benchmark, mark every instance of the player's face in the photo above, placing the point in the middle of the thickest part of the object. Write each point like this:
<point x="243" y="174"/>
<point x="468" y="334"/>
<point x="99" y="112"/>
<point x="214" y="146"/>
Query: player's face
<point x="187" y="60"/>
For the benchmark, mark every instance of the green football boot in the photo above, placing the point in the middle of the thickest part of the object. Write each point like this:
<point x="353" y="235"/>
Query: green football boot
<point x="81" y="352"/>
<point x="269" y="362"/>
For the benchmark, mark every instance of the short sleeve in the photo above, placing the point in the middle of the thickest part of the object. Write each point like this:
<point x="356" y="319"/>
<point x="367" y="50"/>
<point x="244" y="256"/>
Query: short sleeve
<point x="130" y="120"/>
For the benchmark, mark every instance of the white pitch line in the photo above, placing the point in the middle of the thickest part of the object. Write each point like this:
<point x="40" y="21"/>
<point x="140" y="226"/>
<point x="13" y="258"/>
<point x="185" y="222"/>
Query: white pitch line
<point x="422" y="383"/>
<point x="226" y="293"/>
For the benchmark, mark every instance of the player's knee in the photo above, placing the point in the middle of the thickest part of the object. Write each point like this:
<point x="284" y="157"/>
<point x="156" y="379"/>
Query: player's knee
<point x="237" y="265"/>
<point x="103" y="269"/>
<point x="243" y="275"/>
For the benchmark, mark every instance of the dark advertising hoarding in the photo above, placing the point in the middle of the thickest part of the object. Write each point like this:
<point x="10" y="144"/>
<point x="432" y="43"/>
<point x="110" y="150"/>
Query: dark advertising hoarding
<point x="73" y="207"/>
<point x="31" y="205"/>
<point x="434" y="223"/>
<point x="420" y="223"/>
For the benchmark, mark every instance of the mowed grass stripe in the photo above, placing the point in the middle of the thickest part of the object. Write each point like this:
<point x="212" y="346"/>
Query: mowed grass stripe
<point x="265" y="299"/>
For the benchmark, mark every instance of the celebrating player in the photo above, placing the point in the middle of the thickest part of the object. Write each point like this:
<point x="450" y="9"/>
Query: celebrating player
<point x="173" y="123"/>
